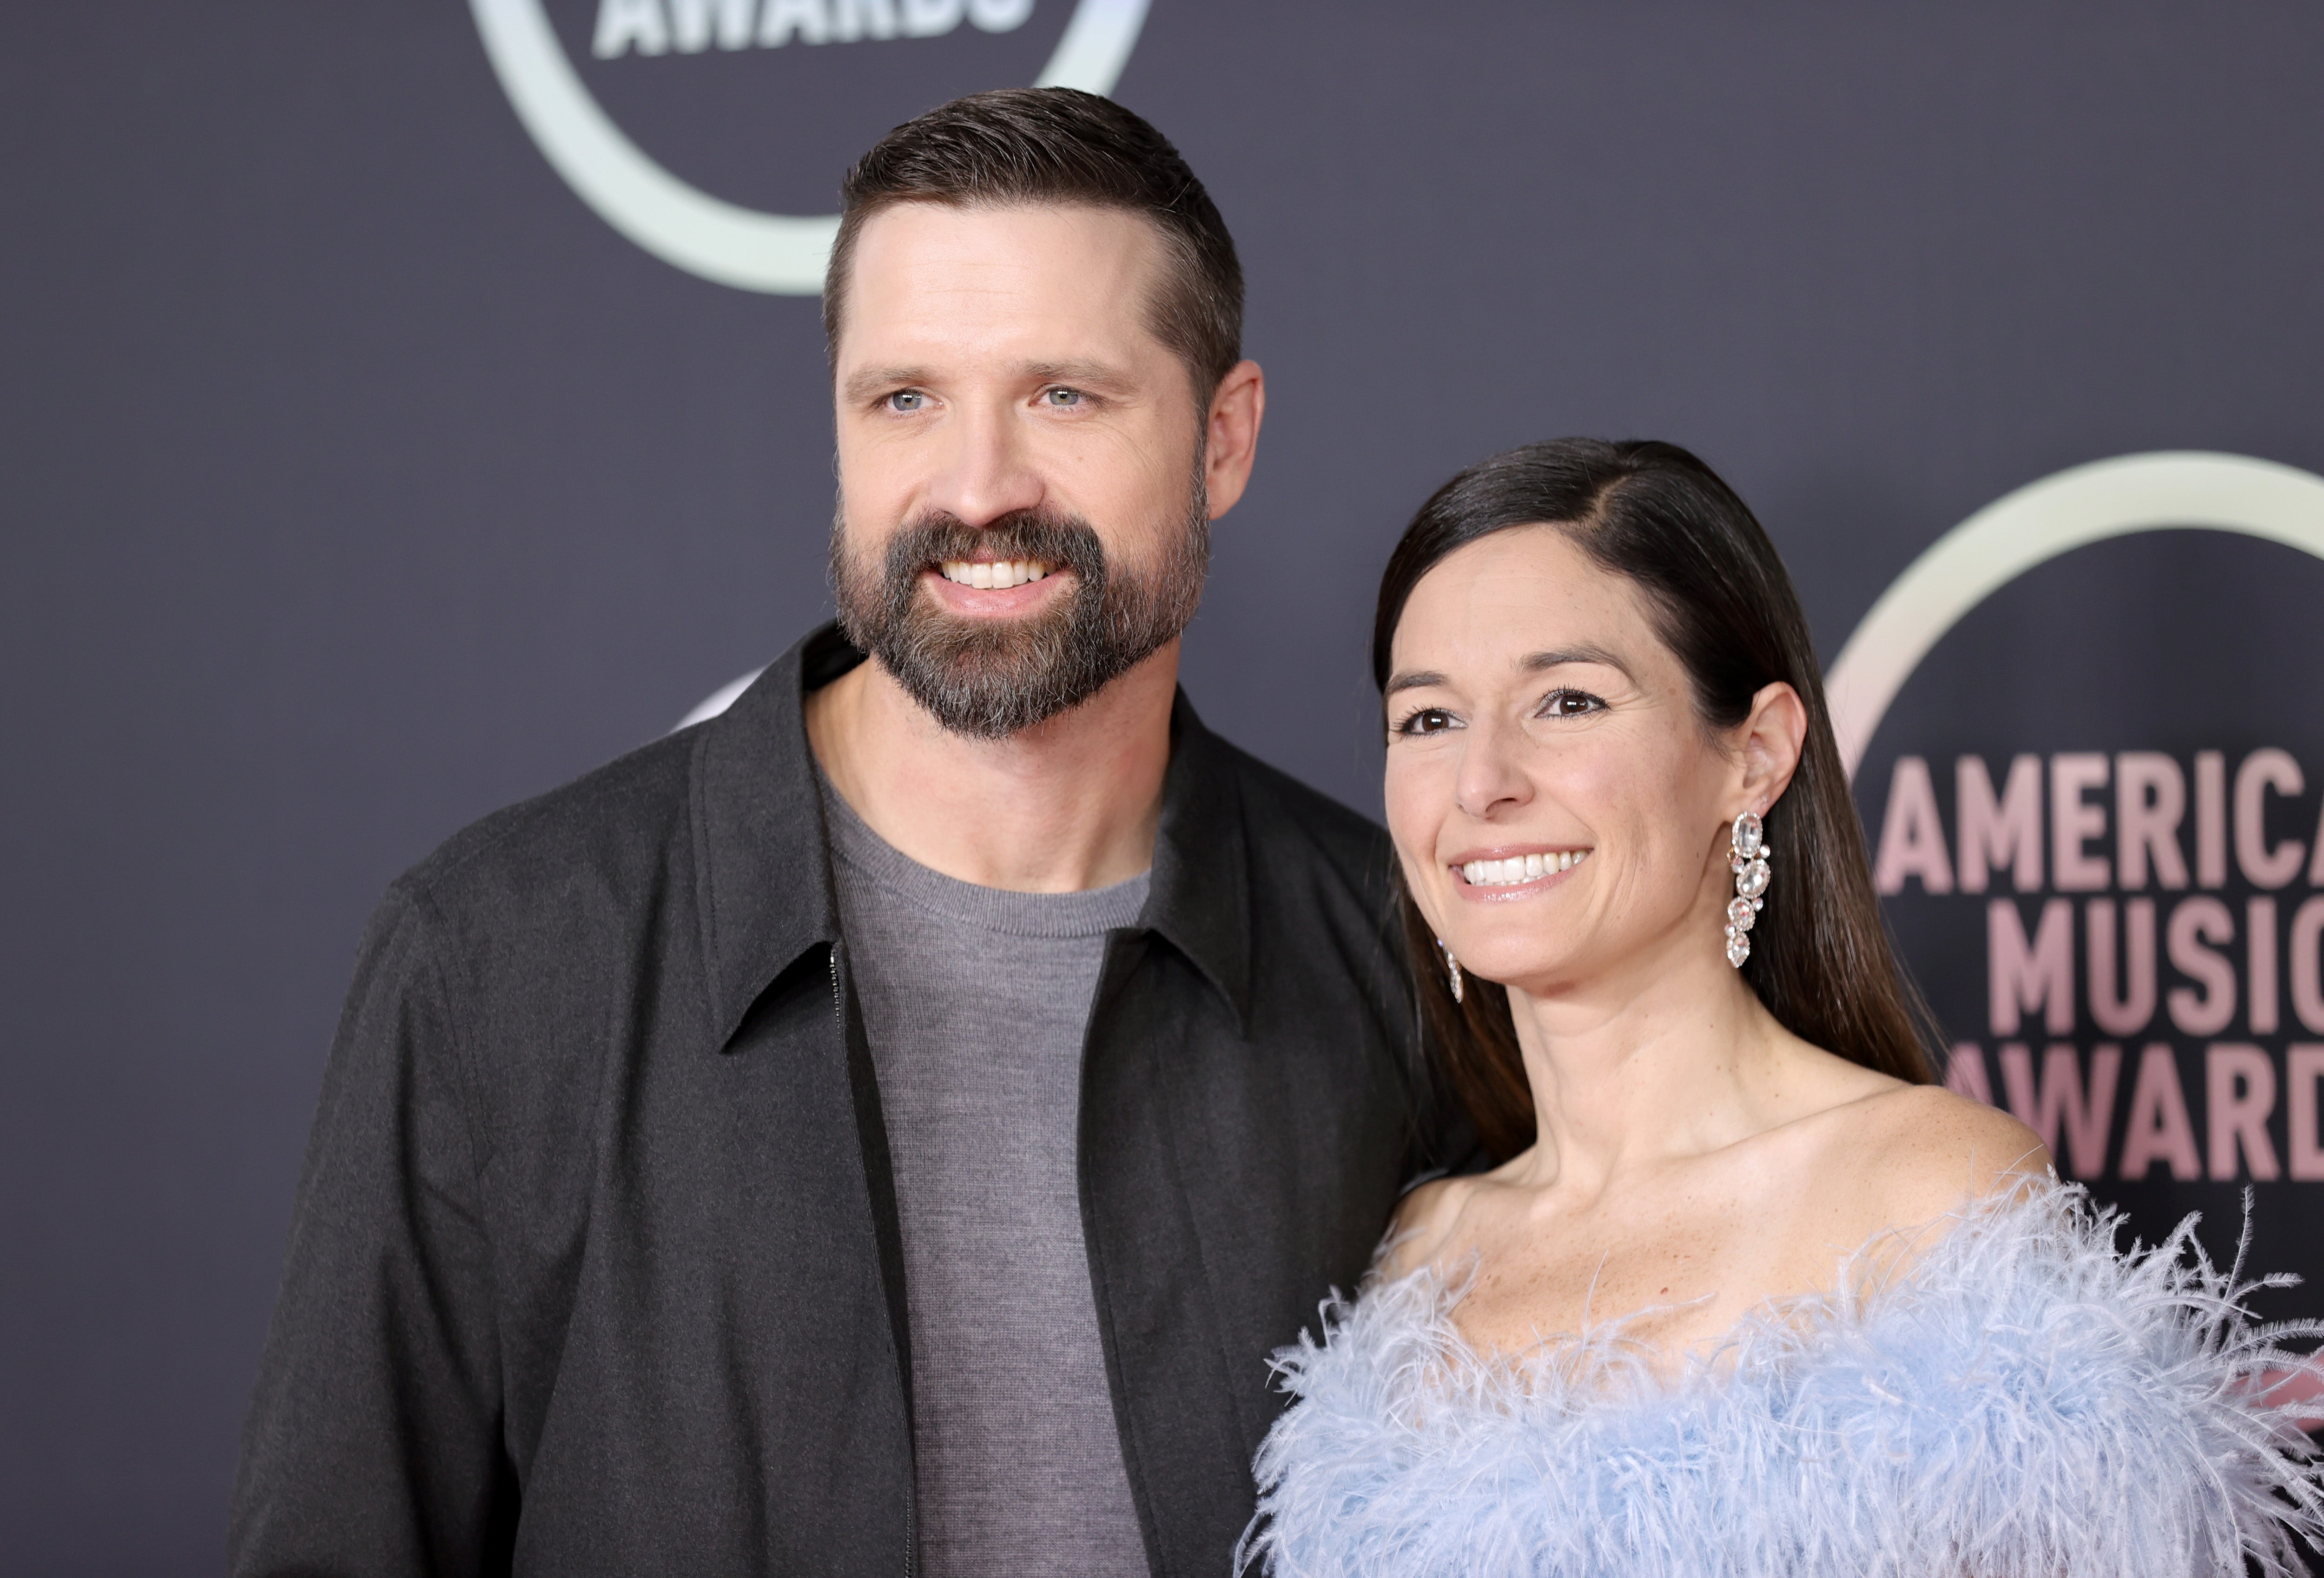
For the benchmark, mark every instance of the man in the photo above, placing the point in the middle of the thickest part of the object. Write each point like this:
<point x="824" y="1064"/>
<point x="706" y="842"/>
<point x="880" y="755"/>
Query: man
<point x="884" y="1128"/>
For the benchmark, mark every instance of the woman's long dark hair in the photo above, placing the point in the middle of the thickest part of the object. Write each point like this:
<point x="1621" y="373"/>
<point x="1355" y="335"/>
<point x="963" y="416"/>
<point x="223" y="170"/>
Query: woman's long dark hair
<point x="1657" y="516"/>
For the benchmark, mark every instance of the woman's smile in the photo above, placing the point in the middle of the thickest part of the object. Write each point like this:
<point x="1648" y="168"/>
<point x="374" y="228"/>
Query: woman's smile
<point x="1511" y="871"/>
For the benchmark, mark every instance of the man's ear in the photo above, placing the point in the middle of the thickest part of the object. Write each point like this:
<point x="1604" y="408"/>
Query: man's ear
<point x="1773" y="738"/>
<point x="1231" y="432"/>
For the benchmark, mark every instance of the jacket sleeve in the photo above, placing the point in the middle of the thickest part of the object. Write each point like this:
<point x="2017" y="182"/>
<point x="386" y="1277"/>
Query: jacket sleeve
<point x="373" y="1444"/>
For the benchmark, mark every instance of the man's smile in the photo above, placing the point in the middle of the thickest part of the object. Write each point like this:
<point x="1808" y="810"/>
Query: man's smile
<point x="994" y="575"/>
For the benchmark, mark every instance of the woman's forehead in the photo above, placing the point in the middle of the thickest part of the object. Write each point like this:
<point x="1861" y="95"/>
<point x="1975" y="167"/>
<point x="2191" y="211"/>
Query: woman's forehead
<point x="1503" y="601"/>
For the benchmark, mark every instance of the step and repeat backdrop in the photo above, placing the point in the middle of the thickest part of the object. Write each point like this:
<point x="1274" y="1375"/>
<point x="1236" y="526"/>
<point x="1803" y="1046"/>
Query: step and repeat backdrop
<point x="409" y="406"/>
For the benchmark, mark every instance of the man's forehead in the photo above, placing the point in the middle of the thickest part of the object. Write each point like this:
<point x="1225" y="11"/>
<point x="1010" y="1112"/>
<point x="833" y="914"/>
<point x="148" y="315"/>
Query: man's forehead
<point x="939" y="275"/>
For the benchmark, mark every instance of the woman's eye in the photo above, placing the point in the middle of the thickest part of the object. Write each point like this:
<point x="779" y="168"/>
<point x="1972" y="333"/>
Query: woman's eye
<point x="1570" y="705"/>
<point x="907" y="399"/>
<point x="1062" y="398"/>
<point x="1427" y="720"/>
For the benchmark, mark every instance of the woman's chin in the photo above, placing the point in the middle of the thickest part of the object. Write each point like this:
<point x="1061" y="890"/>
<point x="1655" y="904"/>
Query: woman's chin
<point x="1532" y="972"/>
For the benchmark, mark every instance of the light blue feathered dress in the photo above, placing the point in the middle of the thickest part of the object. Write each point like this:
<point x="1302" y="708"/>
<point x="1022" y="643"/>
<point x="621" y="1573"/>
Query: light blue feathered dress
<point x="2022" y="1399"/>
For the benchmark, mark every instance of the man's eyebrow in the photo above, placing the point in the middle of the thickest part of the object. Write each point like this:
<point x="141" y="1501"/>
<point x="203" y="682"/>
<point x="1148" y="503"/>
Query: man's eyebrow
<point x="1540" y="662"/>
<point x="874" y="380"/>
<point x="1413" y="682"/>
<point x="1098" y="374"/>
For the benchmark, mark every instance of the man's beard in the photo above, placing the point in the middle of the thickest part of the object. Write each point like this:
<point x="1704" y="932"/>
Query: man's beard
<point x="994" y="677"/>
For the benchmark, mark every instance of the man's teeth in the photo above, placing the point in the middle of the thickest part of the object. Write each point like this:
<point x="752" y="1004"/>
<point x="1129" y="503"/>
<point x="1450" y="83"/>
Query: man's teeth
<point x="999" y="575"/>
<point x="1521" y="867"/>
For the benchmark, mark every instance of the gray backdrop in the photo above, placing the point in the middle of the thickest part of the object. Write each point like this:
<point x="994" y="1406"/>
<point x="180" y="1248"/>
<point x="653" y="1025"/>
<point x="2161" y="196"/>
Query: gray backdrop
<point x="358" y="479"/>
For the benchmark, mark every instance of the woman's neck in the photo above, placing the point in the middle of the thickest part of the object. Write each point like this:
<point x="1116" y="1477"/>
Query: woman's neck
<point x="1673" y="1058"/>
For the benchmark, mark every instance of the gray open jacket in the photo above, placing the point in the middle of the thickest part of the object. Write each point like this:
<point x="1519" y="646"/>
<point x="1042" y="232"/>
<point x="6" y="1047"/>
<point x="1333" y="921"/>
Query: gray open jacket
<point x="595" y="1265"/>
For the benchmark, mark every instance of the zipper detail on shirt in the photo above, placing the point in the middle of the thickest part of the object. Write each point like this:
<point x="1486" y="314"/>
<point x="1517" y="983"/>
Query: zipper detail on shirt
<point x="911" y="1491"/>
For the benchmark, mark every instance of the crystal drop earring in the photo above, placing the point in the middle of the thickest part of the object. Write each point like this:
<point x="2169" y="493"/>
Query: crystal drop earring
<point x="1451" y="967"/>
<point x="1748" y="853"/>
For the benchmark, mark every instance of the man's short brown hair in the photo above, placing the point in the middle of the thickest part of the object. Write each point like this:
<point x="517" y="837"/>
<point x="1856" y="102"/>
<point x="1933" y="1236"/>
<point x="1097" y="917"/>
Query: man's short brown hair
<point x="1061" y="147"/>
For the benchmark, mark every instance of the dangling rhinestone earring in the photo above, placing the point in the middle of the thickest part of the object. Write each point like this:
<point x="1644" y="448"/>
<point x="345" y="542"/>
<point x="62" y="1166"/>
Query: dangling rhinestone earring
<point x="1747" y="855"/>
<point x="1451" y="968"/>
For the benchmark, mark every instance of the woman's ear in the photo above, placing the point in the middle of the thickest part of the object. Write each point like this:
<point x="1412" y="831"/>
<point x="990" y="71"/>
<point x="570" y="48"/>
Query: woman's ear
<point x="1773" y="737"/>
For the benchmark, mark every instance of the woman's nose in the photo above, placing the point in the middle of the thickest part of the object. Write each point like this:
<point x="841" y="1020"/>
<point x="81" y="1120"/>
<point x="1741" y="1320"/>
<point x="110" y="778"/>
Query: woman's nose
<point x="1492" y="778"/>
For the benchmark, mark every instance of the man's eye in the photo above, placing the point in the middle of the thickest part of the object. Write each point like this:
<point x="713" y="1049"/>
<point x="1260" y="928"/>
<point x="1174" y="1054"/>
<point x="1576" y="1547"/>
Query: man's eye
<point x="1062" y="398"/>
<point x="1426" y="721"/>
<point x="1570" y="705"/>
<point x="907" y="399"/>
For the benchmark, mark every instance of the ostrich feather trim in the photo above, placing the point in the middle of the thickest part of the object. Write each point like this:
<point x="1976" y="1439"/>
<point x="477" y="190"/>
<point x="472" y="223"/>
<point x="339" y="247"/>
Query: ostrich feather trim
<point x="2023" y="1399"/>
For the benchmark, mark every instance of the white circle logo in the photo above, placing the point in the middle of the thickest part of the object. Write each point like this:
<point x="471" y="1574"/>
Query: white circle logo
<point x="780" y="253"/>
<point x="2167" y="490"/>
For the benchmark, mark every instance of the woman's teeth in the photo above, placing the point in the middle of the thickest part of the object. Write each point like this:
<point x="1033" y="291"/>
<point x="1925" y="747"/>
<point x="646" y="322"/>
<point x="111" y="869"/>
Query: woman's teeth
<point x="994" y="576"/>
<point x="1520" y="868"/>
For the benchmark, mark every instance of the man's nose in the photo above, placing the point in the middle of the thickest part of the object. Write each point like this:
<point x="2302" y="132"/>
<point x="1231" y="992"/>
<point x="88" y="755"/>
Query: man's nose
<point x="985" y="469"/>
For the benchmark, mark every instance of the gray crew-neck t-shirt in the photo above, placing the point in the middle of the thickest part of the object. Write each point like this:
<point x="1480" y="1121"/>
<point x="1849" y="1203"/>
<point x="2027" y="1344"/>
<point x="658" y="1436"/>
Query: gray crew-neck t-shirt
<point x="975" y="1000"/>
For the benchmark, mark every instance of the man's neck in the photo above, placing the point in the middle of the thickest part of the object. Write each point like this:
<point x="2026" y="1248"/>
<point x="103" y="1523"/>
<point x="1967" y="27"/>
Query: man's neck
<point x="1070" y="804"/>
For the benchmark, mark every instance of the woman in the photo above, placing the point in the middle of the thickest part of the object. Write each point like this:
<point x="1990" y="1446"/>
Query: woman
<point x="1750" y="1295"/>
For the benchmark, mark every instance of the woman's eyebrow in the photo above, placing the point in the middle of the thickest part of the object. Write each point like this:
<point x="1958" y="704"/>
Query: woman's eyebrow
<point x="1413" y="682"/>
<point x="1537" y="662"/>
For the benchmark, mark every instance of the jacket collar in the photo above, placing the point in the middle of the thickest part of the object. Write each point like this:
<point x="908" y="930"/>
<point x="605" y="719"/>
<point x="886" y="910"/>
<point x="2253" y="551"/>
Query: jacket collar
<point x="764" y="888"/>
<point x="765" y="896"/>
<point x="1199" y="898"/>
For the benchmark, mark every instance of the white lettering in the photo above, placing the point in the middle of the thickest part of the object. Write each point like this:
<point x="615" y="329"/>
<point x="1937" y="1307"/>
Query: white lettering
<point x="783" y="18"/>
<point x="630" y="24"/>
<point x="1000" y="15"/>
<point x="645" y="27"/>
<point x="861" y="19"/>
<point x="691" y="23"/>
<point x="927" y="19"/>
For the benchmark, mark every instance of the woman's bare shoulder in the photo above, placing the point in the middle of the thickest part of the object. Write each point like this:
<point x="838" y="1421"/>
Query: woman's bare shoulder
<point x="1927" y="1152"/>
<point x="1424" y="1223"/>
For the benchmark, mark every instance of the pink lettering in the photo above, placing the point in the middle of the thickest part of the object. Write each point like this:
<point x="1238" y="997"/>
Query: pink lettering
<point x="2149" y="799"/>
<point x="2128" y="1011"/>
<point x="2259" y="965"/>
<point x="2198" y="921"/>
<point x="1912" y="832"/>
<point x="2074" y="821"/>
<point x="1998" y="831"/>
<point x="2262" y="771"/>
<point x="2307" y="967"/>
<point x="2059" y="1100"/>
<point x="2210" y="818"/>
<point x="2020" y="976"/>
<point x="2158" y="1128"/>
<point x="2239" y="1098"/>
<point x="1965" y="1073"/>
<point x="2303" y="1064"/>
